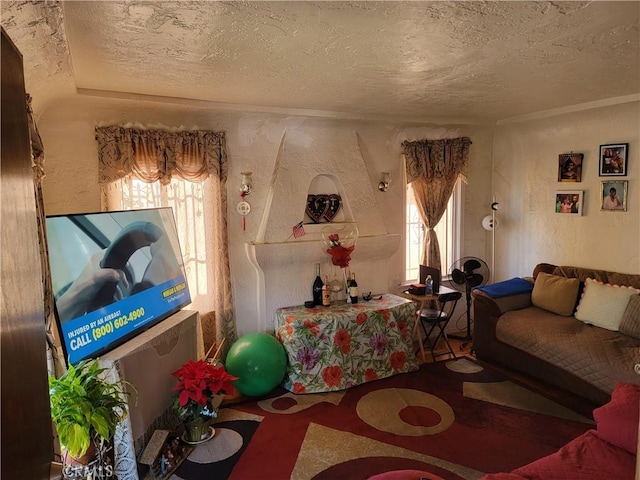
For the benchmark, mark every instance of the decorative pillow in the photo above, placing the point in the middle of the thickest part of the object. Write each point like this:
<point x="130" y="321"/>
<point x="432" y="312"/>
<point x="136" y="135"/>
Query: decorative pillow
<point x="630" y="324"/>
<point x="555" y="293"/>
<point x="603" y="304"/>
<point x="617" y="421"/>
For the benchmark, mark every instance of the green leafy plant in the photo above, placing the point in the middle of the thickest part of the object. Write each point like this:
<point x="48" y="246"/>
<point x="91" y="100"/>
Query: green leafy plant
<point x="84" y="404"/>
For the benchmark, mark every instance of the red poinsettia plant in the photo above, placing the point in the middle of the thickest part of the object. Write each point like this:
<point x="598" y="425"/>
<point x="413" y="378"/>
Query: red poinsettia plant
<point x="340" y="255"/>
<point x="198" y="383"/>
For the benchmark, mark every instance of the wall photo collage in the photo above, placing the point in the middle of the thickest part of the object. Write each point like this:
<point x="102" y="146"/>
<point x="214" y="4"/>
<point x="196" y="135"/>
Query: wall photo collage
<point x="613" y="162"/>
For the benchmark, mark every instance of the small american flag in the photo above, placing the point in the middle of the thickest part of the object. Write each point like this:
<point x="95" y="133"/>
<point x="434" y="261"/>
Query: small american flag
<point x="298" y="230"/>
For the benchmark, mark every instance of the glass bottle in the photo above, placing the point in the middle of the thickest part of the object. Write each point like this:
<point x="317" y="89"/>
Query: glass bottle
<point x="353" y="289"/>
<point x="318" y="285"/>
<point x="429" y="285"/>
<point x="326" y="293"/>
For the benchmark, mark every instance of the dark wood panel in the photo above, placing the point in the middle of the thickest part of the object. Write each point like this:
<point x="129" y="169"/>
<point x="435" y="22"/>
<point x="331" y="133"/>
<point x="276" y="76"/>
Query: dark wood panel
<point x="27" y="444"/>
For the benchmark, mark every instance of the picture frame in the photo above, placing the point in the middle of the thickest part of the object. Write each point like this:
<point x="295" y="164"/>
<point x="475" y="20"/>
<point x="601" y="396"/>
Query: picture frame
<point x="569" y="202"/>
<point x="614" y="195"/>
<point x="570" y="167"/>
<point x="613" y="160"/>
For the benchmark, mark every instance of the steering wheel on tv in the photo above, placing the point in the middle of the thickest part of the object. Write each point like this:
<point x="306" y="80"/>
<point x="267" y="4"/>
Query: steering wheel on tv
<point x="132" y="238"/>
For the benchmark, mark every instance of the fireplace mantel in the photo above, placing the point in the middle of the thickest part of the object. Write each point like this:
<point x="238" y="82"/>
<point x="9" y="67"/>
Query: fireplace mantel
<point x="283" y="266"/>
<point x="277" y="261"/>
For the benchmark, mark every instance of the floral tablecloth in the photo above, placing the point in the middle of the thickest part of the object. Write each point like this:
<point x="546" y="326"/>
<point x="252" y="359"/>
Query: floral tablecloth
<point x="337" y="347"/>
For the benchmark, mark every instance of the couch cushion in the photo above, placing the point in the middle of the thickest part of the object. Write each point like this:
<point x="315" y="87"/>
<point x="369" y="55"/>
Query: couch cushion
<point x="555" y="294"/>
<point x="599" y="356"/>
<point x="630" y="324"/>
<point x="604" y="276"/>
<point x="618" y="420"/>
<point x="603" y="304"/>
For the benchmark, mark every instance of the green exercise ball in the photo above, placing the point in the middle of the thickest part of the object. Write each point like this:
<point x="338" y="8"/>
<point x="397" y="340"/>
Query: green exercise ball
<point x="259" y="361"/>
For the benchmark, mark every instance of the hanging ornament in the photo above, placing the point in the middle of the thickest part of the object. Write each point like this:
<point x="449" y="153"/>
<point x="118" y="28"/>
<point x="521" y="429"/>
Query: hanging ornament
<point x="243" y="208"/>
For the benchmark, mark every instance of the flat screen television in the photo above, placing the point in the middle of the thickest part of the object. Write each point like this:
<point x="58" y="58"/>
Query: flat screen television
<point x="114" y="275"/>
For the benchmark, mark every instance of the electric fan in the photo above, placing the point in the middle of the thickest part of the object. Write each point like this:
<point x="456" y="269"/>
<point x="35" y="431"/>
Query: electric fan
<point x="466" y="274"/>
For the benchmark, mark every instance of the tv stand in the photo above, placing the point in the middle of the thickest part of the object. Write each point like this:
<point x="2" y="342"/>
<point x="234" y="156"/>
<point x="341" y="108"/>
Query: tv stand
<point x="147" y="362"/>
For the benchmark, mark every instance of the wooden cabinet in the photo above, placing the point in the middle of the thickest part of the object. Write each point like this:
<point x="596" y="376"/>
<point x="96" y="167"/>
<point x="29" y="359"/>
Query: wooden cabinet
<point x="27" y="440"/>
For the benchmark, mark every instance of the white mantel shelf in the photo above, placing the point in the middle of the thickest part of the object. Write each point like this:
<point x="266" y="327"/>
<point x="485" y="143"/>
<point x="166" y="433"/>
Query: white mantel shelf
<point x="277" y="262"/>
<point x="308" y="252"/>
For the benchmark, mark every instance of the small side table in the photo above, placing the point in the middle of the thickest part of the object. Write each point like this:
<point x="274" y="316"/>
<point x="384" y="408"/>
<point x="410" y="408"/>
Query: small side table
<point x="423" y="301"/>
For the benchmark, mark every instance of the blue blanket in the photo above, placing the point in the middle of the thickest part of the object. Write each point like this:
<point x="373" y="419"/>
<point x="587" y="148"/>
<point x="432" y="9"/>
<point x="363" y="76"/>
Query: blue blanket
<point x="507" y="287"/>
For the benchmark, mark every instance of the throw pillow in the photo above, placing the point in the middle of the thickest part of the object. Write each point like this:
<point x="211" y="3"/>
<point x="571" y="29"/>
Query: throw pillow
<point x="617" y="421"/>
<point x="603" y="304"/>
<point x="555" y="293"/>
<point x="630" y="324"/>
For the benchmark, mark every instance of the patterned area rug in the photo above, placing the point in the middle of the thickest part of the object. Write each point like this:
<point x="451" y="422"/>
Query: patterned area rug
<point x="454" y="419"/>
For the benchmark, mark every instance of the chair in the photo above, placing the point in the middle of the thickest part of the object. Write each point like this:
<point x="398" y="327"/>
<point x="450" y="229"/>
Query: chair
<point x="435" y="276"/>
<point x="438" y="318"/>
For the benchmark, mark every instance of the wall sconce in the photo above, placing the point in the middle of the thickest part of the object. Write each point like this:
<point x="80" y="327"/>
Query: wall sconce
<point x="246" y="183"/>
<point x="383" y="186"/>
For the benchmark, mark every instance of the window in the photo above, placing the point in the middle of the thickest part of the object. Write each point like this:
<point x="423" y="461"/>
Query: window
<point x="187" y="200"/>
<point x="447" y="230"/>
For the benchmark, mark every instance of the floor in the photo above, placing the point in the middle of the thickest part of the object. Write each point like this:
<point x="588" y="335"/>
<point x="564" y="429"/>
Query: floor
<point x="461" y="349"/>
<point x="464" y="349"/>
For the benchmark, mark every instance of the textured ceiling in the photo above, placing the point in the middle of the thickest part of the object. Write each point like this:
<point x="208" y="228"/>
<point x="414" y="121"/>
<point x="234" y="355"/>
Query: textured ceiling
<point x="419" y="60"/>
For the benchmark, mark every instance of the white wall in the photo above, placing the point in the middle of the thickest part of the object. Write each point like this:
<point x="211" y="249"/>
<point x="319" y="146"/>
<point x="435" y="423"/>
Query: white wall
<point x="253" y="141"/>
<point x="525" y="179"/>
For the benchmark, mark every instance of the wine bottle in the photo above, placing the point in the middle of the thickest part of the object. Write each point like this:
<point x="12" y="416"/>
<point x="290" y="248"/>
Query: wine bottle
<point x="353" y="289"/>
<point x="326" y="293"/>
<point x="318" y="285"/>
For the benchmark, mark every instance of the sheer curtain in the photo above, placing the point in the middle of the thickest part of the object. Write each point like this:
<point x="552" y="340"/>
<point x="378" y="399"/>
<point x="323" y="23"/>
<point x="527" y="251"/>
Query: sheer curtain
<point x="186" y="171"/>
<point x="432" y="168"/>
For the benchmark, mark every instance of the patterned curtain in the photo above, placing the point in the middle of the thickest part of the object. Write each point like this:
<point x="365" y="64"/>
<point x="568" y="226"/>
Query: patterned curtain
<point x="158" y="157"/>
<point x="432" y="168"/>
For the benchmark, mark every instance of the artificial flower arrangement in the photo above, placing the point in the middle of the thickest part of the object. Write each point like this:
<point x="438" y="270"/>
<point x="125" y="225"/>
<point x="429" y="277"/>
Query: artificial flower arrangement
<point x="198" y="383"/>
<point x="340" y="255"/>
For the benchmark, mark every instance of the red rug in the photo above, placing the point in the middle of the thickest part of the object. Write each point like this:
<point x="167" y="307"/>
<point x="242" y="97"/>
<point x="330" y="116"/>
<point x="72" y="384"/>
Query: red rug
<point x="454" y="419"/>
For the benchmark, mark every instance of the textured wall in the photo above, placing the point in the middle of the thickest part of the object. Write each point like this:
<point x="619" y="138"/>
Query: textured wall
<point x="525" y="173"/>
<point x="314" y="145"/>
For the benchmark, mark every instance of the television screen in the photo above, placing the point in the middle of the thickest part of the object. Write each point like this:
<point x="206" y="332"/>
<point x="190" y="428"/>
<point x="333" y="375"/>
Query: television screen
<point x="114" y="274"/>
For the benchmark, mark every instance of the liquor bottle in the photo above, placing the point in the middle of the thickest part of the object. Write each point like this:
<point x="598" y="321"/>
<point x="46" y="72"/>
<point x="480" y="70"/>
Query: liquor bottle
<point x="353" y="289"/>
<point x="428" y="285"/>
<point x="326" y="293"/>
<point x="318" y="285"/>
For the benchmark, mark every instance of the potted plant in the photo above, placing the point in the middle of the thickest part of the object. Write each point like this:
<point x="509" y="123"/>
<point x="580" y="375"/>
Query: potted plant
<point x="198" y="384"/>
<point x="85" y="409"/>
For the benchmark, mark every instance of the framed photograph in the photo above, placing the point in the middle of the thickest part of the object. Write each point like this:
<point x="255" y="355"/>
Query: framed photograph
<point x="614" y="195"/>
<point x="570" y="167"/>
<point x="613" y="160"/>
<point x="569" y="202"/>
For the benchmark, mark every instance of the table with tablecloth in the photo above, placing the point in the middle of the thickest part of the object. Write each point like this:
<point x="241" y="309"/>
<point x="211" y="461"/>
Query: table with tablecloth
<point x="337" y="347"/>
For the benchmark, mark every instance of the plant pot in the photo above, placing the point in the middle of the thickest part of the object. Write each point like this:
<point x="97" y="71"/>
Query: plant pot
<point x="194" y="430"/>
<point x="96" y="464"/>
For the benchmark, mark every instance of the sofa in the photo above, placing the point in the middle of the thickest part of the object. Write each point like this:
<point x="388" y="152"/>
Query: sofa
<point x="575" y="328"/>
<point x="608" y="452"/>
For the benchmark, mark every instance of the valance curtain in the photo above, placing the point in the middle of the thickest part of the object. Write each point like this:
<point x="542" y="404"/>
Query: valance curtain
<point x="432" y="169"/>
<point x="157" y="155"/>
<point x="197" y="156"/>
